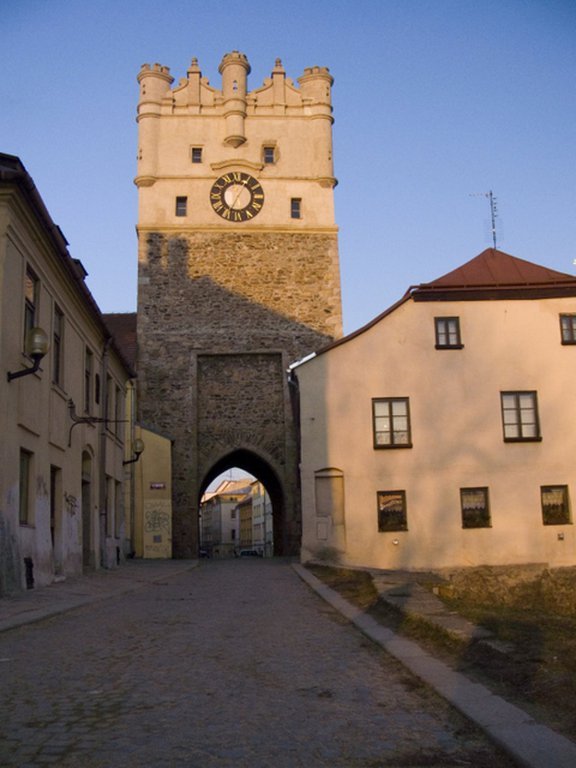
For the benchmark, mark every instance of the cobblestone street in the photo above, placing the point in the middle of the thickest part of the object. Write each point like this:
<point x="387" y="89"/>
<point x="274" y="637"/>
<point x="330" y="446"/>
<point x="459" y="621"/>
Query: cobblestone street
<point x="235" y="663"/>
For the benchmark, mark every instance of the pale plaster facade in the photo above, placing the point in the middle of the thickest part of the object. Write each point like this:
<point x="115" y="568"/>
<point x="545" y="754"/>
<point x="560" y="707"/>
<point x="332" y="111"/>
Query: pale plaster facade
<point x="62" y="447"/>
<point x="510" y="342"/>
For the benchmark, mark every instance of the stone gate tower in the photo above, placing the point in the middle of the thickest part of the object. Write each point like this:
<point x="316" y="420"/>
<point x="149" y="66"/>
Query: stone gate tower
<point x="238" y="273"/>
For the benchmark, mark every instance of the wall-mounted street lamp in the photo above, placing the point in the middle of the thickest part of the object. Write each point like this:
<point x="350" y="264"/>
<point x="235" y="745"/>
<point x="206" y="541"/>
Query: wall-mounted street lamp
<point x="138" y="449"/>
<point x="36" y="346"/>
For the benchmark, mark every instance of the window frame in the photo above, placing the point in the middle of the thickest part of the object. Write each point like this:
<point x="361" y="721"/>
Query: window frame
<point x="196" y="155"/>
<point x="568" y="338"/>
<point x="58" y="346"/>
<point x="88" y="377"/>
<point x="392" y="526"/>
<point x="485" y="513"/>
<point x="295" y="207"/>
<point x="566" y="512"/>
<point x="31" y="302"/>
<point x="181" y="206"/>
<point x="394" y="443"/>
<point x="269" y="154"/>
<point x="442" y="329"/>
<point x="519" y="424"/>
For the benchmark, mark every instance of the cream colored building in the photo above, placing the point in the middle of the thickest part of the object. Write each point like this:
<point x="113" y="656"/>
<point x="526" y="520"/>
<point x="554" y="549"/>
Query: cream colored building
<point x="220" y="519"/>
<point x="441" y="434"/>
<point x="62" y="425"/>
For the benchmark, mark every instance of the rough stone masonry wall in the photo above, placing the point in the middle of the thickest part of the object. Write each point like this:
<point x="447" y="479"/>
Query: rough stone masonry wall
<point x="241" y="402"/>
<point x="533" y="587"/>
<point x="259" y="290"/>
<point x="210" y="306"/>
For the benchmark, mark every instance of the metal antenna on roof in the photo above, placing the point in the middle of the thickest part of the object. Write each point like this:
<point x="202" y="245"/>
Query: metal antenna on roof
<point x="493" y="212"/>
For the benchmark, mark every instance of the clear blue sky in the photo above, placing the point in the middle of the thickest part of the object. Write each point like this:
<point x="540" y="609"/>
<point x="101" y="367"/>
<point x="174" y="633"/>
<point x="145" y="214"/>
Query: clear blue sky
<point x="433" y="100"/>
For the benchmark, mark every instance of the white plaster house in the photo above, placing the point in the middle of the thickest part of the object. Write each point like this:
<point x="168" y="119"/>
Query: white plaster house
<point x="442" y="434"/>
<point x="62" y="423"/>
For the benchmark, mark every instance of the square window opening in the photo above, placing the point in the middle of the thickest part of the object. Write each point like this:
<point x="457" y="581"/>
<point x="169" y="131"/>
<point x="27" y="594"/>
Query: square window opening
<point x="520" y="420"/>
<point x="392" y="511"/>
<point x="555" y="505"/>
<point x="447" y="331"/>
<point x="475" y="508"/>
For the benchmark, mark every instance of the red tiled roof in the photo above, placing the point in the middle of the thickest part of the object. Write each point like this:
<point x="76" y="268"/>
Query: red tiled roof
<point x="490" y="276"/>
<point x="122" y="326"/>
<point x="493" y="268"/>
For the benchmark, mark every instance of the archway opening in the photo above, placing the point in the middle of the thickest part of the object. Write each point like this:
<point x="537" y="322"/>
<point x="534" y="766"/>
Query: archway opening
<point x="248" y="517"/>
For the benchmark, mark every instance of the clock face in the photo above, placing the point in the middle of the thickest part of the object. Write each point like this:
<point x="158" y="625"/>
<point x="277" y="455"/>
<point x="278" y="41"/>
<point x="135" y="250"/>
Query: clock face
<point x="237" y="196"/>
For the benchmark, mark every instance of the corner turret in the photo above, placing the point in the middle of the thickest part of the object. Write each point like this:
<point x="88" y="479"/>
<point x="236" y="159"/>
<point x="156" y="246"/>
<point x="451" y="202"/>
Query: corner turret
<point x="234" y="69"/>
<point x="155" y="82"/>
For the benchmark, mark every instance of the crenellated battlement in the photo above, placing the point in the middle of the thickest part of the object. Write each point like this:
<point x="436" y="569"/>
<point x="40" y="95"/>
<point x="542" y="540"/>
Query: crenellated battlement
<point x="195" y="91"/>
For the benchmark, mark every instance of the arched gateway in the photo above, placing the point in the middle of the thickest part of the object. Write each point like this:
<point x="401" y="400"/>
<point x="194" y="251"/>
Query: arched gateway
<point x="261" y="467"/>
<point x="238" y="274"/>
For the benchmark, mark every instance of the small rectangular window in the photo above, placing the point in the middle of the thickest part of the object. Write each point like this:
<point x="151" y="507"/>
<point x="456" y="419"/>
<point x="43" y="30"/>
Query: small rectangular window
<point x="181" y="206"/>
<point x="296" y="208"/>
<point x="475" y="509"/>
<point x="269" y="155"/>
<point x="25" y="515"/>
<point x="555" y="506"/>
<point x="392" y="511"/>
<point x="110" y="403"/>
<point x="119" y="425"/>
<point x="520" y="416"/>
<point x="31" y="293"/>
<point x="448" y="333"/>
<point x="57" y="345"/>
<point x="391" y="422"/>
<point x="88" y="370"/>
<point x="196" y="154"/>
<point x="568" y="329"/>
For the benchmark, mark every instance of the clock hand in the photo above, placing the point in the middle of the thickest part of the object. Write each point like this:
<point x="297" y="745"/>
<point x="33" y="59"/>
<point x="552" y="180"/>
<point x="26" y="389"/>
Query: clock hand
<point x="242" y="188"/>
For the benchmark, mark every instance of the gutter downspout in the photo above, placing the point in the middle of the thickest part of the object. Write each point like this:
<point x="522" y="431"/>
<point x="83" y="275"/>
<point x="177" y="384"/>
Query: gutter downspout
<point x="102" y="490"/>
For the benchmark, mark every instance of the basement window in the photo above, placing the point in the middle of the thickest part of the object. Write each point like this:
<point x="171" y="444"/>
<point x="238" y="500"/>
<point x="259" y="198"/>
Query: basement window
<point x="475" y="509"/>
<point x="392" y="511"/>
<point x="555" y="506"/>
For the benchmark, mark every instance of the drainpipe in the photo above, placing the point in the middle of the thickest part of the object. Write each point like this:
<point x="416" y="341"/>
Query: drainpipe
<point x="132" y="468"/>
<point x="103" y="445"/>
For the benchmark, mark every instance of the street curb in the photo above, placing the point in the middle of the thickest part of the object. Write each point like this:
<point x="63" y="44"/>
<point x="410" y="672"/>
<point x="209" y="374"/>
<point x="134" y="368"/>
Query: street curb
<point x="121" y="583"/>
<point x="532" y="745"/>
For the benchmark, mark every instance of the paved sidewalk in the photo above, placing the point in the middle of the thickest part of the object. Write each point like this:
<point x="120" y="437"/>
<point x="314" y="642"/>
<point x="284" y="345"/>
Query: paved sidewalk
<point x="62" y="596"/>
<point x="532" y="745"/>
